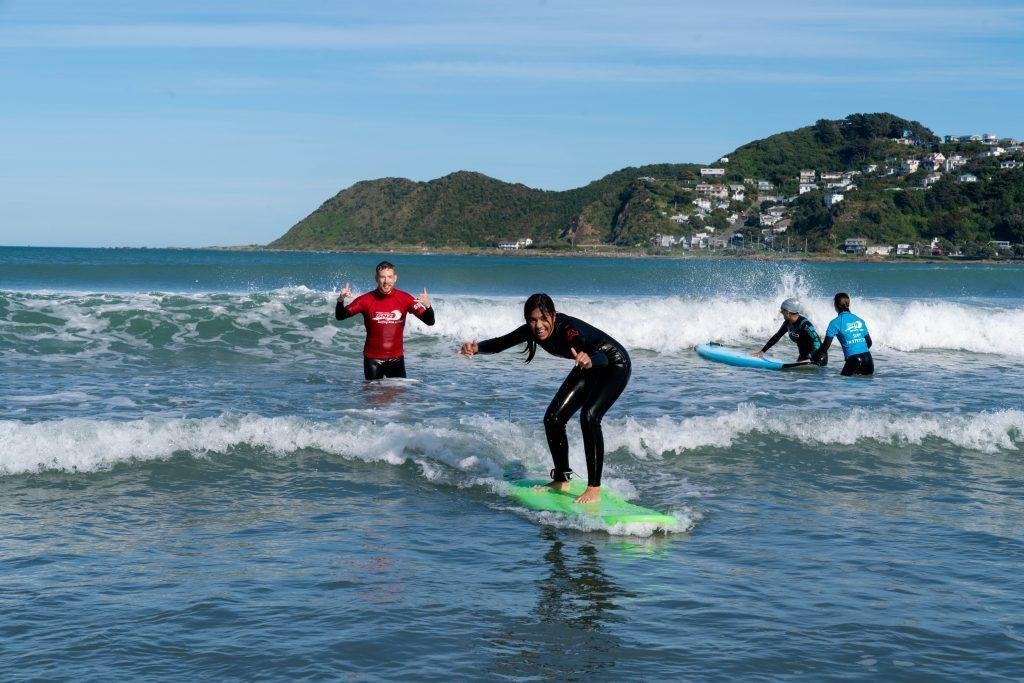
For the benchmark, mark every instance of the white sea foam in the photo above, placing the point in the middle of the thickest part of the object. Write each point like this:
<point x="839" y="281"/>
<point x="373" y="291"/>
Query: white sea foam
<point x="479" y="446"/>
<point x="297" y="318"/>
<point x="685" y="520"/>
<point x="673" y="324"/>
<point x="986" y="432"/>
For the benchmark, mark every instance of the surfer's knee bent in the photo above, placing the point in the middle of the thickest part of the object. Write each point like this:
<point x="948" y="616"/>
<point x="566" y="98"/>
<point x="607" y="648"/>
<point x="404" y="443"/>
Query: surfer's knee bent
<point x="552" y="420"/>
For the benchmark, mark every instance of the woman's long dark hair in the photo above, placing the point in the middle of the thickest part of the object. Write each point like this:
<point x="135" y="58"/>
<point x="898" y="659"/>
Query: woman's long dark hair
<point x="547" y="307"/>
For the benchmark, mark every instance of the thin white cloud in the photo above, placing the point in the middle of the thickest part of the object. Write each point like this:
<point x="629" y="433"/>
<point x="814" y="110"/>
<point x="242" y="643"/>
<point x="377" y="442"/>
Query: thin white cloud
<point x="823" y="30"/>
<point x="639" y="74"/>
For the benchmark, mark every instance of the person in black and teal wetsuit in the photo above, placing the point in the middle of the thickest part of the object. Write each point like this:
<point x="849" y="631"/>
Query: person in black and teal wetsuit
<point x="601" y="369"/>
<point x="800" y="330"/>
<point x="853" y="335"/>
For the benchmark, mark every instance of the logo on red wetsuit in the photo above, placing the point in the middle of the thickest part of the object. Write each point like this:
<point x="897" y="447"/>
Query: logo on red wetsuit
<point x="387" y="317"/>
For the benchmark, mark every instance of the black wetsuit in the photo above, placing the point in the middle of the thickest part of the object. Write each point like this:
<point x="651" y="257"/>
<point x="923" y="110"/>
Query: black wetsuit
<point x="805" y="337"/>
<point x="859" y="364"/>
<point x="592" y="391"/>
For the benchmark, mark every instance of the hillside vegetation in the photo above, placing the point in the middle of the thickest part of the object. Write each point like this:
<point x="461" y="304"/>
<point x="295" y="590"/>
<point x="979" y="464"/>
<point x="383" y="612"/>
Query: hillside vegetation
<point x="630" y="206"/>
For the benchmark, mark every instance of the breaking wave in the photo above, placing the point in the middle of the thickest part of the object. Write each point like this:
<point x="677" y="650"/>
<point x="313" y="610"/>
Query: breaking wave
<point x="477" y="447"/>
<point x="299" y="321"/>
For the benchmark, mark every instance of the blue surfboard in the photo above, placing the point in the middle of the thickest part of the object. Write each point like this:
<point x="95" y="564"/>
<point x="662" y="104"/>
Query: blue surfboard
<point x="742" y="359"/>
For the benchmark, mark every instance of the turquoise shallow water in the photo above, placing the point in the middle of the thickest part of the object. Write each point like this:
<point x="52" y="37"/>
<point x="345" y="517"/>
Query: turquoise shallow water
<point x="195" y="480"/>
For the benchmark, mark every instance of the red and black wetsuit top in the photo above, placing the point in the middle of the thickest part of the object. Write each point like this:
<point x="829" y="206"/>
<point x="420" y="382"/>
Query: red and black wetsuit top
<point x="567" y="334"/>
<point x="384" y="317"/>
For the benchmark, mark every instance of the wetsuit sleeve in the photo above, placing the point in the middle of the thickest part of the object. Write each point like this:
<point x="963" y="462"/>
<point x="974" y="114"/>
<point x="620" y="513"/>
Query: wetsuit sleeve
<point x="426" y="315"/>
<point x="816" y="356"/>
<point x="498" y="344"/>
<point x="421" y="312"/>
<point x="342" y="311"/>
<point x="775" y="337"/>
<point x="867" y="339"/>
<point x="813" y="334"/>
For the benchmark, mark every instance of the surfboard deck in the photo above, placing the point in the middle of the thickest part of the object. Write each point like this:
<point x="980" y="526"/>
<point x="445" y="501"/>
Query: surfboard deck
<point x="612" y="509"/>
<point x="742" y="359"/>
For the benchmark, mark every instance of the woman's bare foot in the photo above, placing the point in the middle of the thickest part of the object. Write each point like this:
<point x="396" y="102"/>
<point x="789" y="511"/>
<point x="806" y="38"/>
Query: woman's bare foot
<point x="558" y="485"/>
<point x="591" y="495"/>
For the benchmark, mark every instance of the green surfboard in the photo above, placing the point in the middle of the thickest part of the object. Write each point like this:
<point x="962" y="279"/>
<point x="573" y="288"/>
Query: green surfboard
<point x="611" y="509"/>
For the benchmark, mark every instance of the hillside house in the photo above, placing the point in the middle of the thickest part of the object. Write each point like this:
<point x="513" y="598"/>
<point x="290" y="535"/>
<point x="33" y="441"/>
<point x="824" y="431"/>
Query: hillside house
<point x="878" y="250"/>
<point x="712" y="172"/>
<point x="712" y="191"/>
<point x="967" y="178"/>
<point x="906" y="250"/>
<point x="910" y="165"/>
<point x="954" y="162"/>
<point x="807" y="187"/>
<point x="764" y="186"/>
<point x="518" y="244"/>
<point x="933" y="161"/>
<point x="931" y="179"/>
<point x="808" y="176"/>
<point x="833" y="198"/>
<point x="1011" y="164"/>
<point x="855" y="245"/>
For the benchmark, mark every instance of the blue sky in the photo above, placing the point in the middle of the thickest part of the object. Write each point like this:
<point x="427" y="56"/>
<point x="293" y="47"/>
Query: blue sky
<point x="223" y="122"/>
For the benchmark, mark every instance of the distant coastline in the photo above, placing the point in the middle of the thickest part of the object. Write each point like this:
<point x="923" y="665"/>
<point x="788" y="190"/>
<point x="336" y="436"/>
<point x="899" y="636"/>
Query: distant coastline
<point x="605" y="251"/>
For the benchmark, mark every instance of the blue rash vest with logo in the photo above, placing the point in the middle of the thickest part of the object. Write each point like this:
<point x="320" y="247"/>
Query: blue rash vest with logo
<point x="850" y="331"/>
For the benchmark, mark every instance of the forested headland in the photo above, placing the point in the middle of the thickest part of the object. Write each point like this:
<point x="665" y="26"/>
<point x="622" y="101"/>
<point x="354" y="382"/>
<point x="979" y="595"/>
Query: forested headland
<point x="878" y="177"/>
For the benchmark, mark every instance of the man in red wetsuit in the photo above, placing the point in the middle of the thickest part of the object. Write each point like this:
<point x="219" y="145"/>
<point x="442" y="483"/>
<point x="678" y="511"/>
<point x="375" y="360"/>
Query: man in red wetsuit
<point x="384" y="311"/>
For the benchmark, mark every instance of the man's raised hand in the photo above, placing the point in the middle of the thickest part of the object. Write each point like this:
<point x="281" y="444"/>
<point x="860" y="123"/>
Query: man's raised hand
<point x="424" y="299"/>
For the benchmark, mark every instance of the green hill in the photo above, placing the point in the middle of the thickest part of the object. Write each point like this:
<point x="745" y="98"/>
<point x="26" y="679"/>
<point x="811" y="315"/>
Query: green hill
<point x="627" y="207"/>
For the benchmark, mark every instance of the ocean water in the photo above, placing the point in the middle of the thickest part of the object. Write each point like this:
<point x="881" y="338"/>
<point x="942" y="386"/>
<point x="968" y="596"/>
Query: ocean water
<point x="196" y="482"/>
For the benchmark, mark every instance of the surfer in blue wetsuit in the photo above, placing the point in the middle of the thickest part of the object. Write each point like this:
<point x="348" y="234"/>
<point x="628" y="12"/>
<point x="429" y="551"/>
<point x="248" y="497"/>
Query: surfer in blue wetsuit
<point x="600" y="373"/>
<point x="852" y="333"/>
<point x="800" y="330"/>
